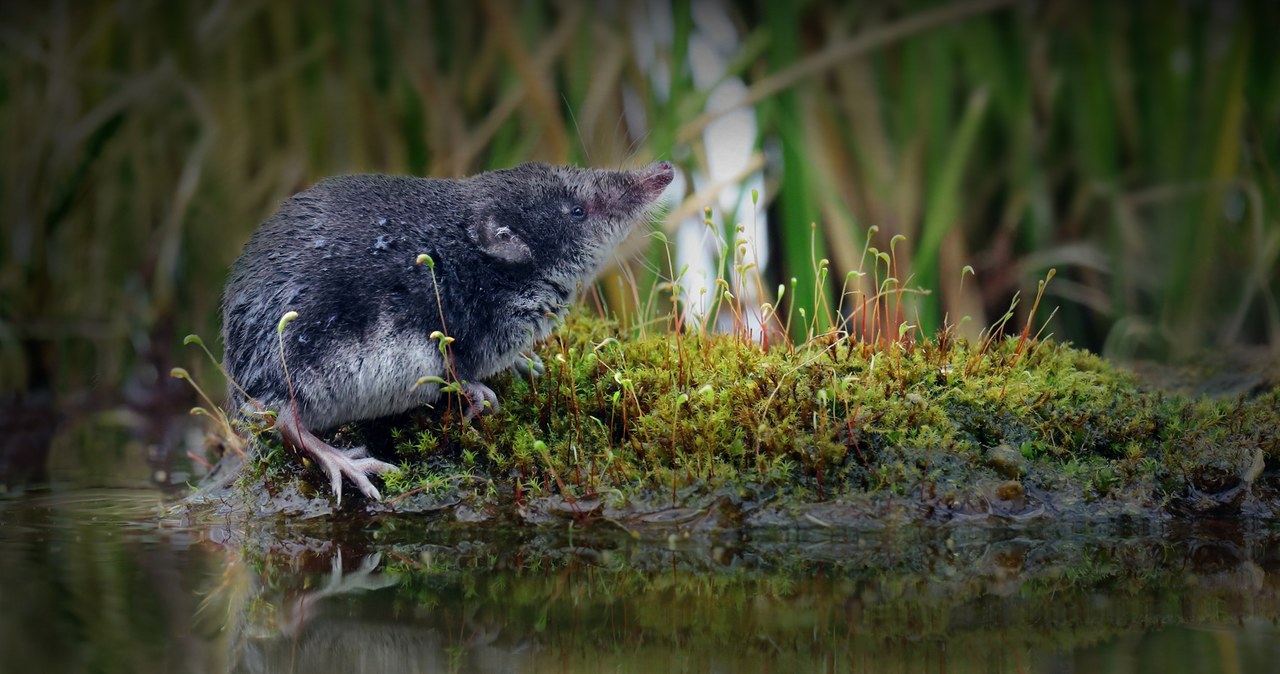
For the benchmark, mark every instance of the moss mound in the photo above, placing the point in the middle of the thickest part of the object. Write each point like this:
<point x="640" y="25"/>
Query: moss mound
<point x="837" y="431"/>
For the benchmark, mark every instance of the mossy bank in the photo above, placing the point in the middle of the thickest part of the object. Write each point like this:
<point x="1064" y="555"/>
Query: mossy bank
<point x="702" y="430"/>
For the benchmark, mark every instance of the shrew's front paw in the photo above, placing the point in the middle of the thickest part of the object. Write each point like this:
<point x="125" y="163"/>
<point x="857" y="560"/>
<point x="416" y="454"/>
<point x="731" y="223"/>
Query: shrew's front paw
<point x="480" y="400"/>
<point x="529" y="364"/>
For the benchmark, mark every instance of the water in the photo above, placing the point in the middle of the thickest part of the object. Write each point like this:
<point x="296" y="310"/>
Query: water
<point x="109" y="581"/>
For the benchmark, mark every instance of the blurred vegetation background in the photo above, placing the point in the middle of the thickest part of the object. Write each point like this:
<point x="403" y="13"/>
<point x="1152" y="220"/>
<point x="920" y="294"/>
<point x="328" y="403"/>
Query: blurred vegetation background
<point x="1131" y="146"/>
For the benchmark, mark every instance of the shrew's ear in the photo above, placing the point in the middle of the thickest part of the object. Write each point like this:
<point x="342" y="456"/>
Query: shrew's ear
<point x="500" y="241"/>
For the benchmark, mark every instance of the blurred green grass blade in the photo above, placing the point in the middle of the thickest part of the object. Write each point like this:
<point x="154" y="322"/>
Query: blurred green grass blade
<point x="944" y="209"/>
<point x="801" y="245"/>
<point x="1200" y="237"/>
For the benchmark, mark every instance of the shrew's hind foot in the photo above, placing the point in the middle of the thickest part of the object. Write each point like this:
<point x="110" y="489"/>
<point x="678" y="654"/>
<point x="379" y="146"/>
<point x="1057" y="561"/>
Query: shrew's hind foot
<point x="354" y="463"/>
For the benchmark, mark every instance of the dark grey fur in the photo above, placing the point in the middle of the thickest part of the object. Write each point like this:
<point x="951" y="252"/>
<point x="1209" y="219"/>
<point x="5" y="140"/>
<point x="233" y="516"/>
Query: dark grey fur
<point x="509" y="251"/>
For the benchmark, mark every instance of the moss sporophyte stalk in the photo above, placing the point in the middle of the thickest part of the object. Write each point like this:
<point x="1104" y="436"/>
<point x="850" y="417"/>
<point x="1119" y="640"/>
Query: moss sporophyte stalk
<point x="832" y="429"/>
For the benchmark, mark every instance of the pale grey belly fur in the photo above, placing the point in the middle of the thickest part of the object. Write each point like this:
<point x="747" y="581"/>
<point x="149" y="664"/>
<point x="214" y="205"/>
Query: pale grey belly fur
<point x="375" y="377"/>
<point x="367" y="379"/>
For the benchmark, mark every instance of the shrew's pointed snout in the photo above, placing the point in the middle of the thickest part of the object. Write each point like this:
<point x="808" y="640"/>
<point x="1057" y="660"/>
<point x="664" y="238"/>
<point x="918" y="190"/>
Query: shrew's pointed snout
<point x="655" y="177"/>
<point x="624" y="195"/>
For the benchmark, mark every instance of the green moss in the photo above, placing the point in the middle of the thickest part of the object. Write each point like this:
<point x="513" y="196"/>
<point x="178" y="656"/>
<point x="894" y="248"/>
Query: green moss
<point x="695" y="415"/>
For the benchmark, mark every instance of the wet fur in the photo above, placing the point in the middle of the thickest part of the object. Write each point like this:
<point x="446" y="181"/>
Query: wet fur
<point x="343" y="255"/>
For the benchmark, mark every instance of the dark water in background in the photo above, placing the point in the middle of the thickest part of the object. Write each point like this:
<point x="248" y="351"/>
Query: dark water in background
<point x="105" y="581"/>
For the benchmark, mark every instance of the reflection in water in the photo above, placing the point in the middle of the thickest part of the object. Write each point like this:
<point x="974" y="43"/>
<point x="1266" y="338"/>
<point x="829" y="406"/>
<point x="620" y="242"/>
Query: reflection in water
<point x="952" y="600"/>
<point x="87" y="587"/>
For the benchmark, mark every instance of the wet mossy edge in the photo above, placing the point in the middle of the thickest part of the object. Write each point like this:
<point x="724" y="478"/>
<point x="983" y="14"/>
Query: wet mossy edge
<point x="707" y="431"/>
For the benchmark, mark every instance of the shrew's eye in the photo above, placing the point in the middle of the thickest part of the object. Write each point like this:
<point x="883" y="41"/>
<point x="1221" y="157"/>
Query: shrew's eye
<point x="578" y="213"/>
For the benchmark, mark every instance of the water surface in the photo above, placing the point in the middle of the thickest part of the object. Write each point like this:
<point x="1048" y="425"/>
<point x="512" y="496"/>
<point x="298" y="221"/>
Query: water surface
<point x="112" y="581"/>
